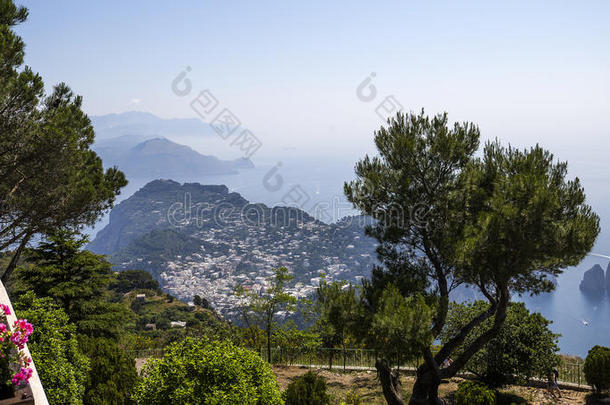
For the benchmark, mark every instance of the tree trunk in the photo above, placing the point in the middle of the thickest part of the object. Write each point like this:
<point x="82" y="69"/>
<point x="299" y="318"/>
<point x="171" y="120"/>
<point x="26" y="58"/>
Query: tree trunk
<point x="344" y="357"/>
<point x="269" y="345"/>
<point x="390" y="382"/>
<point x="330" y="359"/>
<point x="425" y="389"/>
<point x="13" y="263"/>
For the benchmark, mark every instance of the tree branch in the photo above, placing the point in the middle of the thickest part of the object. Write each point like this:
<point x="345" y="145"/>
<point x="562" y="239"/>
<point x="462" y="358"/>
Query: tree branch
<point x="13" y="239"/>
<point x="499" y="317"/>
<point x="431" y="362"/>
<point x="13" y="263"/>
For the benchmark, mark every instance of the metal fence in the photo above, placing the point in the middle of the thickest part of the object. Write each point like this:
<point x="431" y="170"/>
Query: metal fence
<point x="322" y="357"/>
<point x="335" y="358"/>
<point x="570" y="372"/>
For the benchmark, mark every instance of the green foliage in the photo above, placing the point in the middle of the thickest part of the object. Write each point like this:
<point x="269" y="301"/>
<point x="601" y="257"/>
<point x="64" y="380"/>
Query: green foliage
<point x="409" y="189"/>
<point x="509" y="398"/>
<point x="113" y="373"/>
<point x="157" y="246"/>
<point x="64" y="271"/>
<point x="597" y="368"/>
<point x="399" y="326"/>
<point x="308" y="389"/>
<point x="524" y="347"/>
<point x="474" y="393"/>
<point x="202" y="302"/>
<point x="49" y="176"/>
<point x="62" y="367"/>
<point x="262" y="306"/>
<point x="77" y="280"/>
<point x="294" y="341"/>
<point x="337" y="306"/>
<point x="195" y="371"/>
<point x="129" y="280"/>
<point x="352" y="397"/>
<point x="520" y="203"/>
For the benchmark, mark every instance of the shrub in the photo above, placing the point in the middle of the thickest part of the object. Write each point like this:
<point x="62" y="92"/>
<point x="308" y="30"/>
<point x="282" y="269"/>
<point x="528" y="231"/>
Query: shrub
<point x="308" y="389"/>
<point x="474" y="393"/>
<point x="61" y="365"/>
<point x="113" y="372"/>
<point x="129" y="280"/>
<point x="196" y="371"/>
<point x="510" y="398"/>
<point x="597" y="368"/>
<point x="524" y="348"/>
<point x="352" y="398"/>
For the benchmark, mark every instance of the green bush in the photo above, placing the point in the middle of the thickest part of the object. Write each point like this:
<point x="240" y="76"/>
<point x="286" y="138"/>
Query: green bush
<point x="524" y="347"/>
<point x="352" y="398"/>
<point x="196" y="371"/>
<point x="62" y="367"/>
<point x="509" y="398"/>
<point x="308" y="389"/>
<point x="129" y="280"/>
<point x="597" y="368"/>
<point x="474" y="393"/>
<point x="113" y="372"/>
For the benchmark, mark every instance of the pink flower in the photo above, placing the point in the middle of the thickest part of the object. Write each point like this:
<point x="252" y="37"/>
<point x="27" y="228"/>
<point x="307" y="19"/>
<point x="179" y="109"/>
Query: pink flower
<point x="22" y="331"/>
<point x="5" y="309"/>
<point x="23" y="375"/>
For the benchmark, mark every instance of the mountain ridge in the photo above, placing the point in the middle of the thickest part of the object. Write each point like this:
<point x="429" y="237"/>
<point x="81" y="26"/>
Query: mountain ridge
<point x="156" y="157"/>
<point x="146" y="124"/>
<point x="205" y="240"/>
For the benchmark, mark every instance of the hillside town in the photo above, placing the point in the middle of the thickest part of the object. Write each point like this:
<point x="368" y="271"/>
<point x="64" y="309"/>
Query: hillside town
<point x="223" y="242"/>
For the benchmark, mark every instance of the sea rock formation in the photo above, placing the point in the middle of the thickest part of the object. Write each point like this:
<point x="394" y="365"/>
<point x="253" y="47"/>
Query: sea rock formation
<point x="594" y="280"/>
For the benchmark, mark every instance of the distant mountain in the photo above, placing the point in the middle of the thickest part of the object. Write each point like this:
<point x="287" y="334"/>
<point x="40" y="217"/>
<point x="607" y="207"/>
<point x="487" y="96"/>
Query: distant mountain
<point x="145" y="124"/>
<point x="161" y="158"/>
<point x="202" y="239"/>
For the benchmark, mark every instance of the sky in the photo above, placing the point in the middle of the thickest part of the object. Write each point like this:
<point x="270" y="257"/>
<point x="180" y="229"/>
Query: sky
<point x="525" y="71"/>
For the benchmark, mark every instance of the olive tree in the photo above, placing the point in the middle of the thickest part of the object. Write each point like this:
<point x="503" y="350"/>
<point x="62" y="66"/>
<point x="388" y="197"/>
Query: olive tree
<point x="336" y="305"/>
<point x="503" y="221"/>
<point x="261" y="308"/>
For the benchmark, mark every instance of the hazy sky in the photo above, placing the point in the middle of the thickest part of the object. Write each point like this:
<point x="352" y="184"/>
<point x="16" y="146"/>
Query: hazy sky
<point x="525" y="71"/>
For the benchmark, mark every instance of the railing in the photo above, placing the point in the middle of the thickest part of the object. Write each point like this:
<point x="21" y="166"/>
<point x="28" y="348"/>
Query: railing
<point x="353" y="359"/>
<point x="570" y="372"/>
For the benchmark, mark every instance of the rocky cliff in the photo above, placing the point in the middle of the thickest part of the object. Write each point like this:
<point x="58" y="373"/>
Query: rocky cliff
<point x="594" y="280"/>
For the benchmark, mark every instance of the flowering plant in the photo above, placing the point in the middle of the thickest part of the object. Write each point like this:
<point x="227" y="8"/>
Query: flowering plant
<point x="14" y="364"/>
